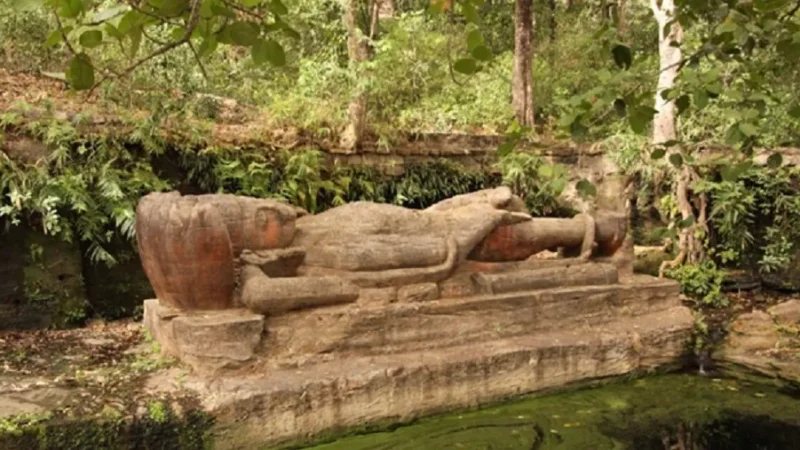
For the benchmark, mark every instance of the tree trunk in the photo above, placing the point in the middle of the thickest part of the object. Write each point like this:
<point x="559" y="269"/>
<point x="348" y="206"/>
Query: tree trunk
<point x="358" y="51"/>
<point x="622" y="20"/>
<point x="522" y="87"/>
<point x="665" y="128"/>
<point x="669" y="58"/>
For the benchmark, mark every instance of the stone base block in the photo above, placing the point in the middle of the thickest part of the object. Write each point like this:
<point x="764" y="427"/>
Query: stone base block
<point x="208" y="341"/>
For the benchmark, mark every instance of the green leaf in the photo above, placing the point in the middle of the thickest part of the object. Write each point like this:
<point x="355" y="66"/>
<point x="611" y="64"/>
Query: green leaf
<point x="748" y="129"/>
<point x="794" y="111"/>
<point x="250" y="3"/>
<point x="70" y="9"/>
<point x="278" y="8"/>
<point x="470" y="13"/>
<point x="733" y="136"/>
<point x="112" y="31"/>
<point x="243" y="33"/>
<point x="622" y="56"/>
<point x="268" y="51"/>
<point x="676" y="159"/>
<point x="482" y="53"/>
<point x="728" y="26"/>
<point x="292" y="33"/>
<point x="585" y="188"/>
<point x="222" y="10"/>
<point x="770" y="5"/>
<point x="701" y="99"/>
<point x="733" y="172"/>
<point x="639" y="117"/>
<point x="474" y="39"/>
<point x="545" y="171"/>
<point x="174" y="8"/>
<point x="91" y="38"/>
<point x="81" y="72"/>
<point x="207" y="46"/>
<point x="466" y="66"/>
<point x="129" y="21"/>
<point x="136" y="40"/>
<point x="658" y="153"/>
<point x="54" y="39"/>
<point x="686" y="223"/>
<point x="506" y="148"/>
<point x="682" y="103"/>
<point x="775" y="160"/>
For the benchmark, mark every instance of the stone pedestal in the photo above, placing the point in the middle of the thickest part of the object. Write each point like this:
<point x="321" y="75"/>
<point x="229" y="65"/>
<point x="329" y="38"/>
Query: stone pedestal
<point x="208" y="341"/>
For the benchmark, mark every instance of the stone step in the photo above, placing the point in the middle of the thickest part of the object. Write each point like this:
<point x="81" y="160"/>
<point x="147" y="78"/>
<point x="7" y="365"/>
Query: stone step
<point x="278" y="405"/>
<point x="397" y="328"/>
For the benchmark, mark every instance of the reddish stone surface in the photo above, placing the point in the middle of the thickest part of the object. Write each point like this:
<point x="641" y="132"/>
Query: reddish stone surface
<point x="190" y="245"/>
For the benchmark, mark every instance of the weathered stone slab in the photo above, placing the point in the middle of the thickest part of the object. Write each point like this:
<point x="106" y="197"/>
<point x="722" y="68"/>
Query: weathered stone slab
<point x="418" y="293"/>
<point x="302" y="402"/>
<point x="216" y="340"/>
<point x="529" y="280"/>
<point x="207" y="341"/>
<point x="405" y="327"/>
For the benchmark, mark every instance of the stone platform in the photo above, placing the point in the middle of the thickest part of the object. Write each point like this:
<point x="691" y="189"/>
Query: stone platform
<point x="304" y="373"/>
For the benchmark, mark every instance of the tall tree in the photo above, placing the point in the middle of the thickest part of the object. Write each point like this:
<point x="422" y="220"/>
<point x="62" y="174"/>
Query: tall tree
<point x="358" y="52"/>
<point x="522" y="83"/>
<point x="670" y="36"/>
<point x="622" y="19"/>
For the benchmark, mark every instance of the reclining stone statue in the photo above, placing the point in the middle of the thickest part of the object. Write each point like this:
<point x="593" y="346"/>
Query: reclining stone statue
<point x="213" y="252"/>
<point x="294" y="324"/>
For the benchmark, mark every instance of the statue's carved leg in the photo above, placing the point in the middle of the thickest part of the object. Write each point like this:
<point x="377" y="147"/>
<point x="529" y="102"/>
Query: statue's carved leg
<point x="394" y="277"/>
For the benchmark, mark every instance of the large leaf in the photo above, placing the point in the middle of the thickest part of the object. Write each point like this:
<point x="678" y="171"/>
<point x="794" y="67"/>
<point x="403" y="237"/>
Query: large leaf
<point x="622" y="56"/>
<point x="243" y="33"/>
<point x="482" y="53"/>
<point x="278" y="8"/>
<point x="682" y="103"/>
<point x="474" y="39"/>
<point x="91" y="38"/>
<point x="268" y="51"/>
<point x="466" y="66"/>
<point x="70" y="8"/>
<point x="81" y="72"/>
<point x="639" y="117"/>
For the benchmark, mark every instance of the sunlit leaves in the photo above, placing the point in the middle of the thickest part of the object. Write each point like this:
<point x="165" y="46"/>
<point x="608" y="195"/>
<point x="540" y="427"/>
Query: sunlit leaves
<point x="81" y="72"/>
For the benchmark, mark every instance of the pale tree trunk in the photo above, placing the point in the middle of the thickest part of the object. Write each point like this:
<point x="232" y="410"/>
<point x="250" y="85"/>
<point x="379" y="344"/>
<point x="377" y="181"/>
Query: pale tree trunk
<point x="522" y="86"/>
<point x="665" y="129"/>
<point x="358" y="52"/>
<point x="622" y="20"/>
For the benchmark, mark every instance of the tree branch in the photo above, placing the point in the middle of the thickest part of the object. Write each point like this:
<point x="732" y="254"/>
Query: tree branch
<point x="191" y="24"/>
<point x="199" y="61"/>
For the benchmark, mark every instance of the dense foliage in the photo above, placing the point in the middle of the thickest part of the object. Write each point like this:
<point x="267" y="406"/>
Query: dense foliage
<point x="440" y="66"/>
